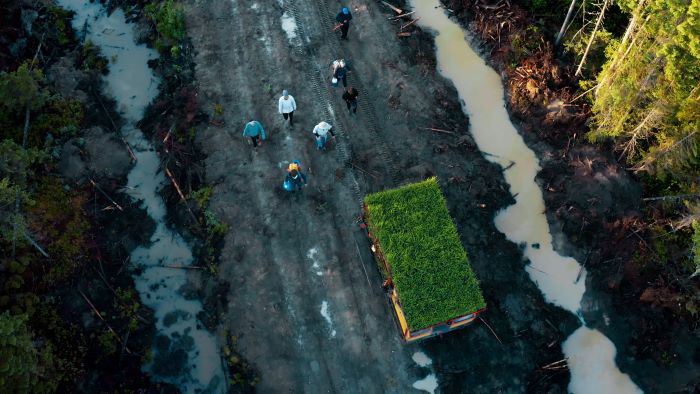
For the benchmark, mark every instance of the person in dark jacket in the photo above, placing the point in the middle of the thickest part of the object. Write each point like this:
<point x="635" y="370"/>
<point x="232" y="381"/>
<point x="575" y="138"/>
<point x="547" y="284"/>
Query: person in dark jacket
<point x="295" y="180"/>
<point x="344" y="17"/>
<point x="340" y="71"/>
<point x="350" y="97"/>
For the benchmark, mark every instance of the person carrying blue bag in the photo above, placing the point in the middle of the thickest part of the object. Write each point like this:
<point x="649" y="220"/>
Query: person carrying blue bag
<point x="295" y="179"/>
<point x="340" y="72"/>
<point x="321" y="132"/>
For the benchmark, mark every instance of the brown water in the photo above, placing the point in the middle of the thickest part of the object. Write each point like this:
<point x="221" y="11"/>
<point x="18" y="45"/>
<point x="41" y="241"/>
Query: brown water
<point x="560" y="278"/>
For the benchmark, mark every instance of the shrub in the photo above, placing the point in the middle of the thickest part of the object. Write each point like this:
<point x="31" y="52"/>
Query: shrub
<point x="23" y="367"/>
<point x="202" y="196"/>
<point x="60" y="219"/>
<point x="419" y="241"/>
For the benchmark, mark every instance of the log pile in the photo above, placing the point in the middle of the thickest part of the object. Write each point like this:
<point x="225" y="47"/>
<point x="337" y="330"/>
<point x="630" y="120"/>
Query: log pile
<point x="400" y="17"/>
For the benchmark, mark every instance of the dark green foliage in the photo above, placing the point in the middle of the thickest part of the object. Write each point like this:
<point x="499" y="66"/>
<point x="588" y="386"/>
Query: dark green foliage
<point x="59" y="117"/>
<point x="61" y="21"/>
<point x="202" y="196"/>
<point x="169" y="21"/>
<point x="420" y="242"/>
<point x="59" y="217"/>
<point x="92" y="59"/>
<point x="25" y="367"/>
<point x="20" y="89"/>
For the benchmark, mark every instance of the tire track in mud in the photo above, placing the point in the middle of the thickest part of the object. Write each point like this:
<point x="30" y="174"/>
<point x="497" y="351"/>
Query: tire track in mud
<point x="308" y="52"/>
<point x="325" y="15"/>
<point x="315" y="78"/>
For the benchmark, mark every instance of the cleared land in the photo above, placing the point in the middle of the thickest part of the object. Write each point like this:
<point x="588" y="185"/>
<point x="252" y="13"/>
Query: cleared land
<point x="304" y="298"/>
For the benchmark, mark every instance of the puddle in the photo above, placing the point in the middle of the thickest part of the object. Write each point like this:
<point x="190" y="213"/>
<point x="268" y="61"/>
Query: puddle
<point x="184" y="353"/>
<point x="421" y="359"/>
<point x="561" y="279"/>
<point x="289" y="26"/>
<point x="429" y="384"/>
<point x="327" y="315"/>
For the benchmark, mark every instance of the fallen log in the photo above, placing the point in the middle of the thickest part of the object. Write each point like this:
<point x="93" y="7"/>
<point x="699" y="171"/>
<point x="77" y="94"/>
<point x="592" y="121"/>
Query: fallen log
<point x="183" y="267"/>
<point x="179" y="192"/>
<point x="403" y="34"/>
<point x="440" y="130"/>
<point x="177" y="187"/>
<point x="99" y="189"/>
<point x="396" y="10"/>
<point x="114" y="127"/>
<point x="410" y="23"/>
<point x="394" y="18"/>
<point x="104" y="321"/>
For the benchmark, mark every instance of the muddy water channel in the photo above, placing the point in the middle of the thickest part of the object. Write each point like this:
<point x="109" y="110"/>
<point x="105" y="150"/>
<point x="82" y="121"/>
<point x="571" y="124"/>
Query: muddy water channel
<point x="184" y="353"/>
<point x="591" y="356"/>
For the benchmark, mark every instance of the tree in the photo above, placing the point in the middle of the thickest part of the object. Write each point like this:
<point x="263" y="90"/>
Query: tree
<point x="23" y="367"/>
<point x="647" y="98"/>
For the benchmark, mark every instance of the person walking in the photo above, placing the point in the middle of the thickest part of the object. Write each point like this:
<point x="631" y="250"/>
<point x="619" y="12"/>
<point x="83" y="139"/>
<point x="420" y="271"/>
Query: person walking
<point x="344" y="17"/>
<point x="350" y="97"/>
<point x="287" y="106"/>
<point x="340" y="71"/>
<point x="255" y="131"/>
<point x="295" y="179"/>
<point x="321" y="133"/>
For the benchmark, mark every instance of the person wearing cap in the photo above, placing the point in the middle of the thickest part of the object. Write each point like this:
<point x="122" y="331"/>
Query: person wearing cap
<point x="350" y="97"/>
<point x="255" y="131"/>
<point x="321" y="133"/>
<point x="344" y="17"/>
<point x="340" y="71"/>
<point x="287" y="106"/>
<point x="295" y="179"/>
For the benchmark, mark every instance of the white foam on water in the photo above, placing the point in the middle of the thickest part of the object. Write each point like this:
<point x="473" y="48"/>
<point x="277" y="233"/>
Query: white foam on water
<point x="560" y="278"/>
<point x="133" y="85"/>
<point x="327" y="315"/>
<point x="289" y="25"/>
<point x="254" y="6"/>
<point x="429" y="384"/>
<point x="594" y="370"/>
<point x="421" y="359"/>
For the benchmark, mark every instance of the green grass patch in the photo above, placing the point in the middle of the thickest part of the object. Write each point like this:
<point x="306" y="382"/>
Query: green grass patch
<point x="429" y="266"/>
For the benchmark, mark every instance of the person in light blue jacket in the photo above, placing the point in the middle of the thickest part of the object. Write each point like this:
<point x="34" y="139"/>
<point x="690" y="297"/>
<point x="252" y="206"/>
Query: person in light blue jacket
<point x="255" y="131"/>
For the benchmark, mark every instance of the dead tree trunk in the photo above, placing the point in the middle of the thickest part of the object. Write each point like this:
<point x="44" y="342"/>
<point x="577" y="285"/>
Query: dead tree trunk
<point x="566" y="22"/>
<point x="590" y="41"/>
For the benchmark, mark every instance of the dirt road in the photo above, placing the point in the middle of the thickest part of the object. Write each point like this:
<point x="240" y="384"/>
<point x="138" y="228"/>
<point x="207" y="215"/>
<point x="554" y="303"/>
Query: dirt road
<point x="305" y="299"/>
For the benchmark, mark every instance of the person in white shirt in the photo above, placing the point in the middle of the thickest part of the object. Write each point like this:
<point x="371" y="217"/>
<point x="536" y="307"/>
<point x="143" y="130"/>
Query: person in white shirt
<point x="287" y="106"/>
<point x="321" y="133"/>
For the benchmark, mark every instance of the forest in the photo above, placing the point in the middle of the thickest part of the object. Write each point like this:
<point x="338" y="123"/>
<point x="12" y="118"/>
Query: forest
<point x="70" y="319"/>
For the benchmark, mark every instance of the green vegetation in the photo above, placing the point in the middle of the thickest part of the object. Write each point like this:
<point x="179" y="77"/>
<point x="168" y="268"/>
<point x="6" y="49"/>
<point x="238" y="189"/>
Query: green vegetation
<point x="169" y="20"/>
<point x="429" y="266"/>
<point x="92" y="59"/>
<point x="202" y="196"/>
<point x="24" y="366"/>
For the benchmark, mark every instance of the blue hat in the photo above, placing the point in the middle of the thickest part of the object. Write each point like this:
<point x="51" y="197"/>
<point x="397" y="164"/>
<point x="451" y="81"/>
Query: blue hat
<point x="285" y="93"/>
<point x="346" y="10"/>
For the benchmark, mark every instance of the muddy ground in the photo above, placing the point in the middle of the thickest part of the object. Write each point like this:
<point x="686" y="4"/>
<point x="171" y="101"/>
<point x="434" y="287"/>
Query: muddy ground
<point x="287" y="256"/>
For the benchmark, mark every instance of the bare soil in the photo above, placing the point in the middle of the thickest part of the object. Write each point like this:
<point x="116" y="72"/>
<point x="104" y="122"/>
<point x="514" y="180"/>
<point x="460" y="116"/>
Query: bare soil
<point x="288" y="255"/>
